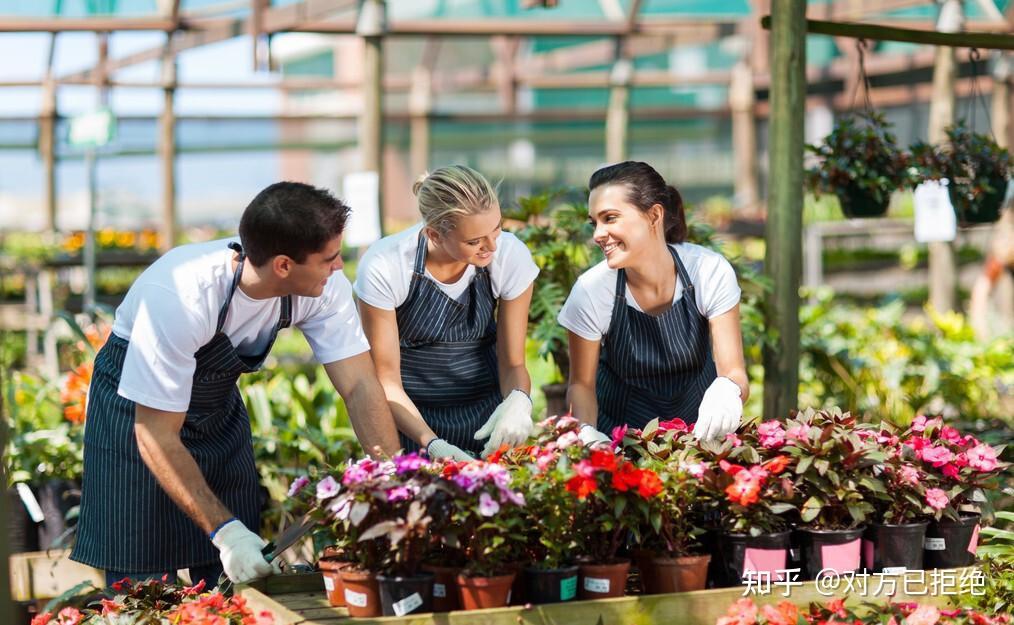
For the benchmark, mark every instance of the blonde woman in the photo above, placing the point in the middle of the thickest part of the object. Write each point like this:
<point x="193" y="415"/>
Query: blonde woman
<point x="452" y="365"/>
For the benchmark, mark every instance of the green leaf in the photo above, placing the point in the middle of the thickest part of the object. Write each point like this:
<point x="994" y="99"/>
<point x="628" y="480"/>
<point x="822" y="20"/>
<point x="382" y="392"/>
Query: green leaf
<point x="804" y="464"/>
<point x="811" y="509"/>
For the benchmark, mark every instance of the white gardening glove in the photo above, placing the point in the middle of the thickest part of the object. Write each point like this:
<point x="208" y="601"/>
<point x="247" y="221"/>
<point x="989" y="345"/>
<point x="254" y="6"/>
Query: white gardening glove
<point x="510" y="424"/>
<point x="589" y="435"/>
<point x="721" y="410"/>
<point x="439" y="448"/>
<point x="240" y="551"/>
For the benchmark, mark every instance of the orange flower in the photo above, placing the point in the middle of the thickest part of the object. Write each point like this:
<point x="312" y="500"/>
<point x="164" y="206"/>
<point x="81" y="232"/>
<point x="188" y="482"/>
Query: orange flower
<point x="626" y="477"/>
<point x="777" y="464"/>
<point x="745" y="490"/>
<point x="650" y="484"/>
<point x="75" y="392"/>
<point x="786" y="613"/>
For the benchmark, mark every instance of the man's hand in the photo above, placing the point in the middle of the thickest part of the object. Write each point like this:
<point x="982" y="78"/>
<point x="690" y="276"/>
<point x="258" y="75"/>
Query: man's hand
<point x="240" y="552"/>
<point x="510" y="424"/>
<point x="721" y="410"/>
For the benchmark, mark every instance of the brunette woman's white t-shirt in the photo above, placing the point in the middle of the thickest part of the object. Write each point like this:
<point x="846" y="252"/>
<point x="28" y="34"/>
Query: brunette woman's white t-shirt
<point x="589" y="307"/>
<point x="385" y="270"/>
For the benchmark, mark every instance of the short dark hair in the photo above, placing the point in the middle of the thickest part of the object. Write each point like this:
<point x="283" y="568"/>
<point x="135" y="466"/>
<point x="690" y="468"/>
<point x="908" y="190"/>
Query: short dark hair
<point x="290" y="218"/>
<point x="645" y="188"/>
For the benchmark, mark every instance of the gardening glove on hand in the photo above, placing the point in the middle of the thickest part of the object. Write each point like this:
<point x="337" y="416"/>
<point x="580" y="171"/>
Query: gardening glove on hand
<point x="721" y="410"/>
<point x="510" y="424"/>
<point x="240" y="551"/>
<point x="439" y="448"/>
<point x="589" y="435"/>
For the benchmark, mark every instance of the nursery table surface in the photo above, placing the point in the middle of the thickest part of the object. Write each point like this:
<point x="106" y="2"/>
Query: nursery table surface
<point x="300" y="600"/>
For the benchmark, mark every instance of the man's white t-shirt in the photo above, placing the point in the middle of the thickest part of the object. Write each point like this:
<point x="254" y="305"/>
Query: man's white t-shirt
<point x="589" y="307"/>
<point x="171" y="311"/>
<point x="385" y="270"/>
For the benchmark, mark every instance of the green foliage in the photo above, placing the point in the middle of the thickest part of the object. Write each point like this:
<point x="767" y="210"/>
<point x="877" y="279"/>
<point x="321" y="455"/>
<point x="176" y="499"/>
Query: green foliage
<point x="886" y="365"/>
<point x="559" y="238"/>
<point x="997" y="553"/>
<point x="42" y="445"/>
<point x="299" y="424"/>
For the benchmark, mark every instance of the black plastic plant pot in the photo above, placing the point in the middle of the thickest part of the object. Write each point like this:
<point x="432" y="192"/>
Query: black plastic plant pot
<point x="893" y="548"/>
<point x="406" y="595"/>
<point x="551" y="585"/>
<point x="744" y="556"/>
<point x="830" y="551"/>
<point x="950" y="544"/>
<point x="981" y="209"/>
<point x="856" y="202"/>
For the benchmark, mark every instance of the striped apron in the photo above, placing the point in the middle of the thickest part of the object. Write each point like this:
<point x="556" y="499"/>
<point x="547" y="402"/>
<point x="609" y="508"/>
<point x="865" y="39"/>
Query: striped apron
<point x="128" y="523"/>
<point x="448" y="355"/>
<point x="654" y="366"/>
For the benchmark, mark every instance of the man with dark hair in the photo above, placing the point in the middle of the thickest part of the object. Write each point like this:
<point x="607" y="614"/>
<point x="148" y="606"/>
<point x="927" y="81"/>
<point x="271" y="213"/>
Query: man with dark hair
<point x="169" y="475"/>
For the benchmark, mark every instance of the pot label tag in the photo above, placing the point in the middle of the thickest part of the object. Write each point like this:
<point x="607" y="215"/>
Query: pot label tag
<point x="934" y="213"/>
<point x="596" y="584"/>
<point x="794" y="553"/>
<point x="357" y="599"/>
<point x="509" y="591"/>
<point x="973" y="544"/>
<point x="894" y="570"/>
<point x="934" y="544"/>
<point x="31" y="503"/>
<point x="406" y="605"/>
<point x="568" y="588"/>
<point x="328" y="583"/>
<point x="439" y="590"/>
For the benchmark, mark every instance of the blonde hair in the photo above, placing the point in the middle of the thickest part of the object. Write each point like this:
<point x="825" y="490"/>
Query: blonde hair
<point x="453" y="192"/>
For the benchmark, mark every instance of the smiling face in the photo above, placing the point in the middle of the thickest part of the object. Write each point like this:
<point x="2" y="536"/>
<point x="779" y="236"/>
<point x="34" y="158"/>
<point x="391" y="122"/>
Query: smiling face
<point x="310" y="277"/>
<point x="472" y="240"/>
<point x="622" y="230"/>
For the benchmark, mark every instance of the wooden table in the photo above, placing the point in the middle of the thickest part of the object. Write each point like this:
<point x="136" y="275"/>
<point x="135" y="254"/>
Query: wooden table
<point x="300" y="600"/>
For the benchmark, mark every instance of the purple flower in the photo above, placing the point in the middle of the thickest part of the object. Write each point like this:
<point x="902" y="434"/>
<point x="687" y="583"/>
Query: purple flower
<point x="298" y="484"/>
<point x="487" y="505"/>
<point x="408" y="463"/>
<point x="327" y="488"/>
<point x="358" y="472"/>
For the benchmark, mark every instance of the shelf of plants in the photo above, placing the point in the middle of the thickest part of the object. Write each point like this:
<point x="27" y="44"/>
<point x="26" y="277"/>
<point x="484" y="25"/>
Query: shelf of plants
<point x="818" y="496"/>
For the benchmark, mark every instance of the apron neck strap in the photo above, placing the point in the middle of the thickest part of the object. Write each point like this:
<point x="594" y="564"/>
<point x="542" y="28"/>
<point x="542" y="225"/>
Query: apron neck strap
<point x="681" y="272"/>
<point x="236" y="247"/>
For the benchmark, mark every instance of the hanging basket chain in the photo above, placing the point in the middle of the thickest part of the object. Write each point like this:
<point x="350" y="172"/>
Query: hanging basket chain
<point x="978" y="97"/>
<point x="864" y="79"/>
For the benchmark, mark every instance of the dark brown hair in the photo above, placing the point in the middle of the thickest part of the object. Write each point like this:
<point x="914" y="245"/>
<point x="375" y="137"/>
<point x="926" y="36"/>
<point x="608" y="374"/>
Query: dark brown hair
<point x="645" y="188"/>
<point x="290" y="218"/>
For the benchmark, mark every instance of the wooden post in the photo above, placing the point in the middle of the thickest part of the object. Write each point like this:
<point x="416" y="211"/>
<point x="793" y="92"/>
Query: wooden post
<point x="420" y="104"/>
<point x="744" y="137"/>
<point x="1003" y="69"/>
<point x="943" y="268"/>
<point x="618" y="113"/>
<point x="47" y="150"/>
<point x="167" y="150"/>
<point x="6" y="607"/>
<point x="370" y="26"/>
<point x="783" y="231"/>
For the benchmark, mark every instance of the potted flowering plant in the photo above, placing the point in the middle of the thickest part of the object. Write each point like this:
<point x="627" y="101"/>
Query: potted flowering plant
<point x="977" y="170"/>
<point x="964" y="468"/>
<point x="832" y="463"/>
<point x="486" y="524"/>
<point x="680" y="562"/>
<point x="861" y="164"/>
<point x="894" y="535"/>
<point x="613" y="501"/>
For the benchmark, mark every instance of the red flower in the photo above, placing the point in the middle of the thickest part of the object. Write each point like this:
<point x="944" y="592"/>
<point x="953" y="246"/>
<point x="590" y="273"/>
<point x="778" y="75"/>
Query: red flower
<point x="673" y="425"/>
<point x="119" y="586"/>
<point x="42" y="619"/>
<point x="603" y="460"/>
<point x="581" y="486"/>
<point x="650" y="484"/>
<point x="729" y="468"/>
<point x="494" y="457"/>
<point x="626" y="477"/>
<point x="109" y="607"/>
<point x="745" y="490"/>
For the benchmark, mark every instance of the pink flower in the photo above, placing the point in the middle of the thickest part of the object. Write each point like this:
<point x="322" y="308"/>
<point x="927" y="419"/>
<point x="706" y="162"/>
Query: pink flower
<point x="731" y="436"/>
<point x="675" y="424"/>
<point x="909" y="474"/>
<point x="982" y="457"/>
<point x="487" y="505"/>
<point x="399" y="493"/>
<point x="695" y="469"/>
<point x="298" y="484"/>
<point x="585" y="468"/>
<point x="771" y="434"/>
<point x="69" y="616"/>
<point x="936" y="498"/>
<point x="327" y="488"/>
<point x="567" y="439"/>
<point x="797" y="433"/>
<point x="950" y="434"/>
<point x="618" y="433"/>
<point x="923" y="615"/>
<point x="937" y="456"/>
<point x="919" y="424"/>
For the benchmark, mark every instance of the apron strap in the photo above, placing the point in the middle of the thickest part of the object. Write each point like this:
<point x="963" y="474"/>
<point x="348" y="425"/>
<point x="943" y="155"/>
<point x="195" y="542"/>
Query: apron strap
<point x="419" y="267"/>
<point x="688" y="286"/>
<point x="286" y="317"/>
<point x="236" y="247"/>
